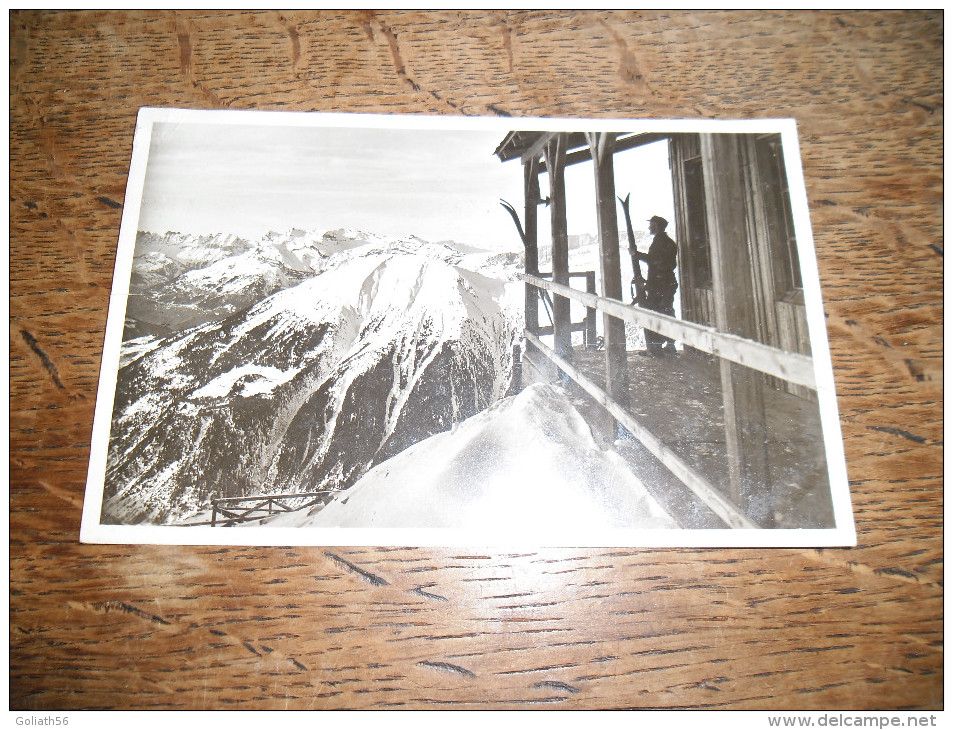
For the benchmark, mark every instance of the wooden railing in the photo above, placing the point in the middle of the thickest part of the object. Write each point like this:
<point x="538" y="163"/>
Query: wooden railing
<point x="228" y="511"/>
<point x="718" y="504"/>
<point x="588" y="325"/>
<point x="790" y="366"/>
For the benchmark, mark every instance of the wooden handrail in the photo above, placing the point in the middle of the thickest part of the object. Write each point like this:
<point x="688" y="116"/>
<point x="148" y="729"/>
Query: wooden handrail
<point x="790" y="366"/>
<point x="261" y="503"/>
<point x="718" y="504"/>
<point x="588" y="325"/>
<point x="275" y="496"/>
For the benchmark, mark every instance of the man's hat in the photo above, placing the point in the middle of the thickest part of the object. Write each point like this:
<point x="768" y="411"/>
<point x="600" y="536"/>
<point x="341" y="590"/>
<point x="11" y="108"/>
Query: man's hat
<point x="659" y="219"/>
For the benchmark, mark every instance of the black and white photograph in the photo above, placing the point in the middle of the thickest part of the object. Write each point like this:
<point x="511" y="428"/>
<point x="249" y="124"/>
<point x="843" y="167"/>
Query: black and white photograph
<point x="331" y="329"/>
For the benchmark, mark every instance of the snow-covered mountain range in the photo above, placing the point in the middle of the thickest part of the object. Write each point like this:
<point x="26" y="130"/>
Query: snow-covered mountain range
<point x="297" y="362"/>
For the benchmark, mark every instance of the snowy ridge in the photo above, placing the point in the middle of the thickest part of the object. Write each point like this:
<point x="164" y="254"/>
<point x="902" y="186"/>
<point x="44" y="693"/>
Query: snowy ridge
<point x="528" y="462"/>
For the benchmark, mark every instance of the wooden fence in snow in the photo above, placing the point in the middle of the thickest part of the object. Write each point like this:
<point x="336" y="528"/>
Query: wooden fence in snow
<point x="227" y="511"/>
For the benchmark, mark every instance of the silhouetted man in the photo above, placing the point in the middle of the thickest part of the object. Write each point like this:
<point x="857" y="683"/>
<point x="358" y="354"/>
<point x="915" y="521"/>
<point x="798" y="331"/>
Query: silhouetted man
<point x="660" y="284"/>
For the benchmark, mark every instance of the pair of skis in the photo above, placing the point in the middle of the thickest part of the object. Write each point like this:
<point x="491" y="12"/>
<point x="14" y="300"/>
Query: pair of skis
<point x="638" y="280"/>
<point x="544" y="295"/>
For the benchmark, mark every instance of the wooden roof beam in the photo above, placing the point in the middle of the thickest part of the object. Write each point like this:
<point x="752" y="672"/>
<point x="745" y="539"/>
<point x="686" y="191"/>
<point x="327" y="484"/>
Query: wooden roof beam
<point x="577" y="147"/>
<point x="621" y="144"/>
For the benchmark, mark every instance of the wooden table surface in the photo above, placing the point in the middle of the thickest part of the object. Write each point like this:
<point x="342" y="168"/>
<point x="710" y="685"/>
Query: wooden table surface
<point x="196" y="627"/>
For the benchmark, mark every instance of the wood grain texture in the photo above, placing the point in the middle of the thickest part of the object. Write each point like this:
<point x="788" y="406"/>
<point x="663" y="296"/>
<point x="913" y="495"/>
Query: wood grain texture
<point x="186" y="627"/>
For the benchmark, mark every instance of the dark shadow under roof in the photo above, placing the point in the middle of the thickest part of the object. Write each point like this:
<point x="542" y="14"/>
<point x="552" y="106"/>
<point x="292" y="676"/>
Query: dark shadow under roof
<point x="518" y="143"/>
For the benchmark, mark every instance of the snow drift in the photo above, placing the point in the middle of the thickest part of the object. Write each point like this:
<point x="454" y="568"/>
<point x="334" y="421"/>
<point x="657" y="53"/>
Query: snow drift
<point x="528" y="461"/>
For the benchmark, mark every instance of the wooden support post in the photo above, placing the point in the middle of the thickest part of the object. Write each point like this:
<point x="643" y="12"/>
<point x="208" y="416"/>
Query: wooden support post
<point x="555" y="155"/>
<point x="530" y="244"/>
<point x="516" y="384"/>
<point x="590" y="312"/>
<point x="734" y="310"/>
<point x="617" y="365"/>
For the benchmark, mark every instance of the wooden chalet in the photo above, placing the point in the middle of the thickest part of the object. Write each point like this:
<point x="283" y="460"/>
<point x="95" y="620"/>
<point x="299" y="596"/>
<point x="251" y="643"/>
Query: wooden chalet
<point x="742" y="323"/>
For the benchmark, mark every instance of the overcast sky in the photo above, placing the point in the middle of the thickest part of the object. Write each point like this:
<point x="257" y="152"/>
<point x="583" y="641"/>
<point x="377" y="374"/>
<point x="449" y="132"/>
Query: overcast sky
<point x="436" y="184"/>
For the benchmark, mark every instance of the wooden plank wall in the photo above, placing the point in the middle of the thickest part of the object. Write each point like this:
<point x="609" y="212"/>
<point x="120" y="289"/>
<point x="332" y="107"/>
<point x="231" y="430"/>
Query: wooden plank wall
<point x="186" y="627"/>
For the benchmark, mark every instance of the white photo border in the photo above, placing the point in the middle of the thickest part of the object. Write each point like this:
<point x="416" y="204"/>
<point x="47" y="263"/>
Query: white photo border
<point x="92" y="531"/>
